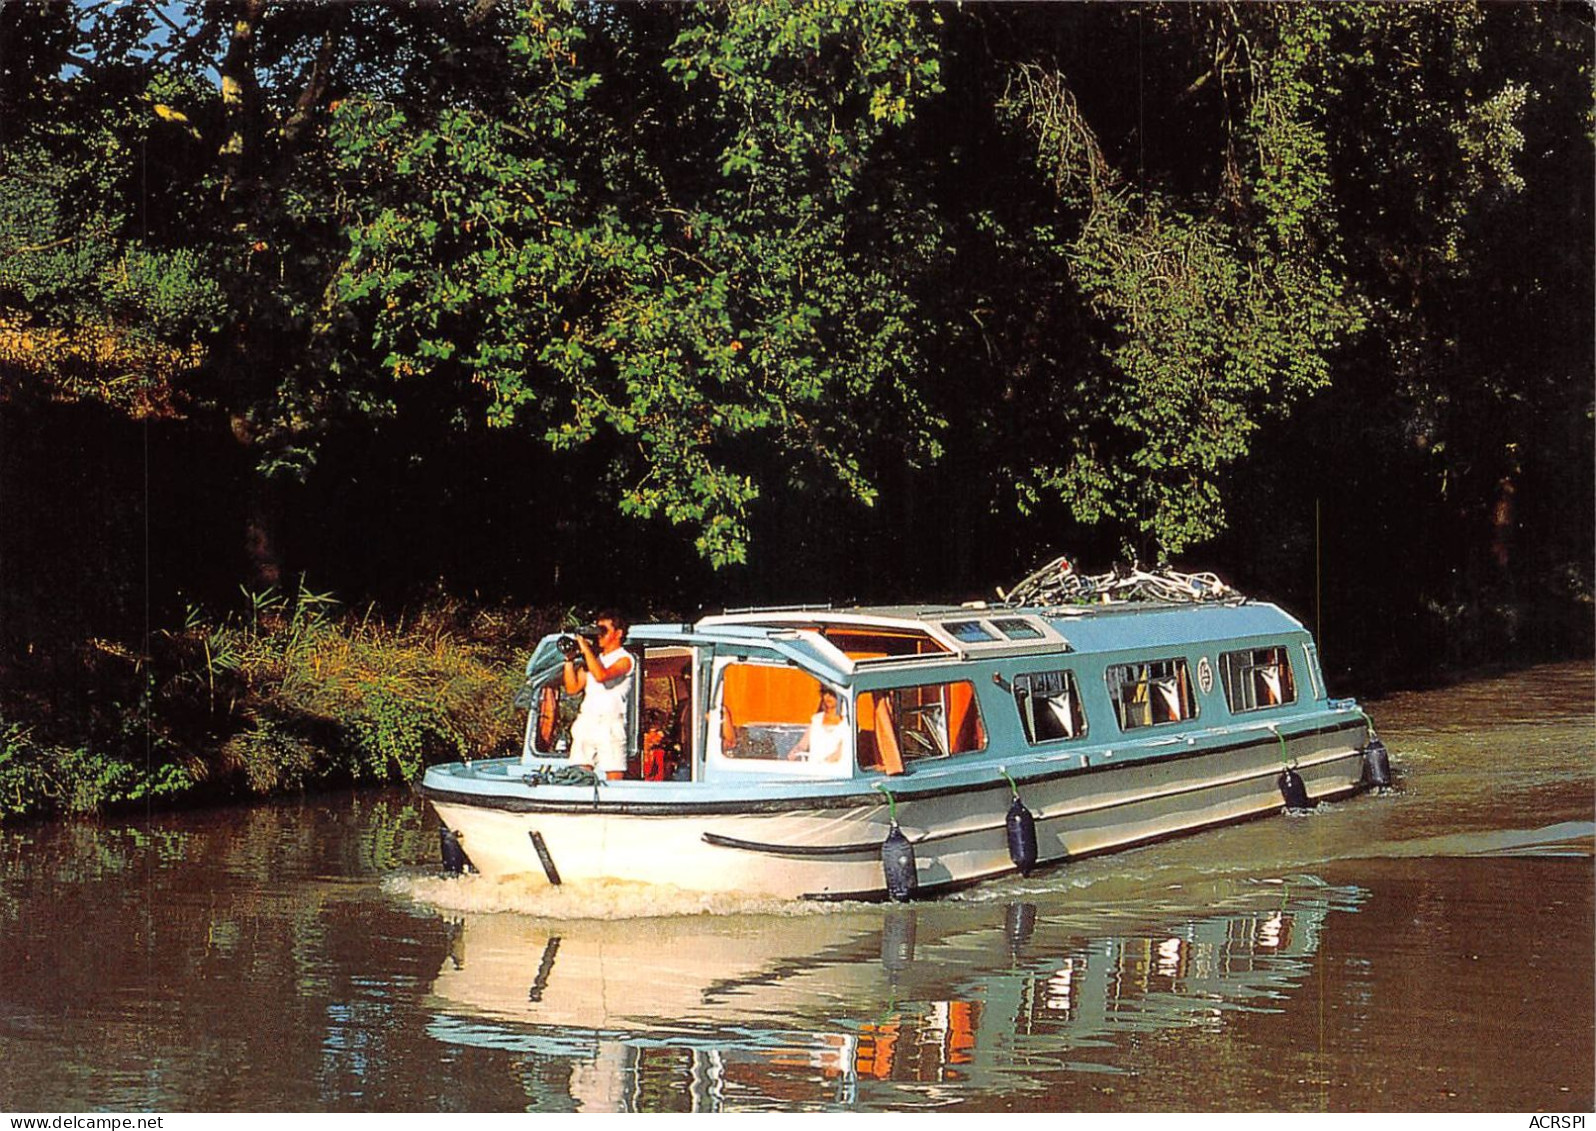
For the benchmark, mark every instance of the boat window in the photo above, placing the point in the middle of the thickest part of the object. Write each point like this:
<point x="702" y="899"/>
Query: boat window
<point x="1016" y="629"/>
<point x="901" y="725"/>
<point x="968" y="631"/>
<point x="1315" y="675"/>
<point x="1257" y="678"/>
<point x="1049" y="706"/>
<point x="766" y="713"/>
<point x="870" y="643"/>
<point x="663" y="717"/>
<point x="1151" y="693"/>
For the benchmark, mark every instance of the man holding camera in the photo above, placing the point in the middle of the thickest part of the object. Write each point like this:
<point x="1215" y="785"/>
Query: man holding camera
<point x="598" y="736"/>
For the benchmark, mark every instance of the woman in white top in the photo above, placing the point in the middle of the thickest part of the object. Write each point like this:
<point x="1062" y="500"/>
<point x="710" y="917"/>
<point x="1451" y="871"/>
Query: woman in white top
<point x="826" y="740"/>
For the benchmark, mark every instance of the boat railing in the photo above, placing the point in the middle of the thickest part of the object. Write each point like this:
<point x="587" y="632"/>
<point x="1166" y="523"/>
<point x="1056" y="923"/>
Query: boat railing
<point x="746" y="610"/>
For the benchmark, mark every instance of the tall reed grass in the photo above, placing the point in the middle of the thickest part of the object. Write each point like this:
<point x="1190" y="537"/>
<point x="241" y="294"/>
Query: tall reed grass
<point x="287" y="691"/>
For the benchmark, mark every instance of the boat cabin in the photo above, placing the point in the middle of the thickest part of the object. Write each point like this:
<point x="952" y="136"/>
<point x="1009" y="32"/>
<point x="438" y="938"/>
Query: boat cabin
<point x="734" y="697"/>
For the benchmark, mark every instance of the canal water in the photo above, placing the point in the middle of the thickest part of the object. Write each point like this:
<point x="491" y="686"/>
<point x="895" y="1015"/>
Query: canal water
<point x="1429" y="949"/>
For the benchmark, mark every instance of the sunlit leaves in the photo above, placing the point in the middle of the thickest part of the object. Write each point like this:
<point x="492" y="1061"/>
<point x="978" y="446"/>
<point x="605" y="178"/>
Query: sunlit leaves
<point x="687" y="318"/>
<point x="740" y="253"/>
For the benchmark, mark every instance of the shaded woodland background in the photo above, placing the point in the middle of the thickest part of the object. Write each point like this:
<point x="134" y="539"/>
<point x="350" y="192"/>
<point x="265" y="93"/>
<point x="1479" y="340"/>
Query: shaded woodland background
<point x="690" y="306"/>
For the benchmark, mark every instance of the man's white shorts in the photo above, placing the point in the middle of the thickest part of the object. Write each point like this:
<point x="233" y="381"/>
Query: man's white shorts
<point x="599" y="742"/>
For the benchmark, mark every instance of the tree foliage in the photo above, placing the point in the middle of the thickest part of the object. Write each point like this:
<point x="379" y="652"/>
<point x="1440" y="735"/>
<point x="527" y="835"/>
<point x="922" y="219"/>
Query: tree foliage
<point x="1070" y="262"/>
<point x="1218" y="306"/>
<point x="705" y="301"/>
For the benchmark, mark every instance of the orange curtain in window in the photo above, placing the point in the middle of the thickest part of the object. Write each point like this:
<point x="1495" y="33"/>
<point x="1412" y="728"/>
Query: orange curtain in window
<point x="878" y="740"/>
<point x="758" y="694"/>
<point x="964" y="721"/>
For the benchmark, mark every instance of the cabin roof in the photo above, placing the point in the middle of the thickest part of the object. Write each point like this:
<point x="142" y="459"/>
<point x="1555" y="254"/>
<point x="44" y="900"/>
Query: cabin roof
<point x="1085" y="628"/>
<point x="1114" y="628"/>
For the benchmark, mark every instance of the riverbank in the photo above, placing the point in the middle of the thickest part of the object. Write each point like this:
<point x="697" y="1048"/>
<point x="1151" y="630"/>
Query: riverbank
<point x="284" y="693"/>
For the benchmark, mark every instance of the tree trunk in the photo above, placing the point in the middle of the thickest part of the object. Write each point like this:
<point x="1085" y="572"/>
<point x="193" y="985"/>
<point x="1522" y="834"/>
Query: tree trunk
<point x="240" y="92"/>
<point x="262" y="516"/>
<point x="1503" y="521"/>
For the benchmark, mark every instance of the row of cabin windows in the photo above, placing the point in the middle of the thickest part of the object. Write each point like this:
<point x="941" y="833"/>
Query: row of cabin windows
<point x="1152" y="693"/>
<point x="766" y="710"/>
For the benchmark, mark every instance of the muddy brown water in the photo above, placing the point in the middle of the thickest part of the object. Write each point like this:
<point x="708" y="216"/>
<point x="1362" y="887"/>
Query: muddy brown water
<point x="1425" y="949"/>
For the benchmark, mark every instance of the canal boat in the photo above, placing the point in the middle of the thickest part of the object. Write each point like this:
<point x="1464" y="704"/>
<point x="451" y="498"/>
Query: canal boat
<point x="977" y="740"/>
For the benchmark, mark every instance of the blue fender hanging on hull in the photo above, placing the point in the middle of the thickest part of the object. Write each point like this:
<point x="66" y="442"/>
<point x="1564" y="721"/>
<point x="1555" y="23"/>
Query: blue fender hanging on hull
<point x="455" y="861"/>
<point x="1021" y="829"/>
<point x="897" y="864"/>
<point x="1293" y="791"/>
<point x="1377" y="764"/>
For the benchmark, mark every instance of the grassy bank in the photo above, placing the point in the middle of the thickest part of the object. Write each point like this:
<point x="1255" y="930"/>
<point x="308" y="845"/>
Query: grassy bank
<point x="285" y="692"/>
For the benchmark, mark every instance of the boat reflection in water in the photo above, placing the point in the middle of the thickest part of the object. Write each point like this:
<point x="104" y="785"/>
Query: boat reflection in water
<point x="802" y="1011"/>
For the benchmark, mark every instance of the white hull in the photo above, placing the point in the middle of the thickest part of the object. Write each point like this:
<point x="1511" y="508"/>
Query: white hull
<point x="832" y="851"/>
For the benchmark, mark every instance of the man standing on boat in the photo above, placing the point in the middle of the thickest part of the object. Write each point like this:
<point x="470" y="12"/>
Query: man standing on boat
<point x="598" y="736"/>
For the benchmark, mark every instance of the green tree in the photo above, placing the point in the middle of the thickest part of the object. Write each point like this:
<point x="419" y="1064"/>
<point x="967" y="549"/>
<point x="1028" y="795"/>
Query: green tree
<point x="1218" y="307"/>
<point x="167" y="233"/>
<point x="1074" y="262"/>
<point x="97" y="299"/>
<point x="1464" y="180"/>
<point x="692" y="286"/>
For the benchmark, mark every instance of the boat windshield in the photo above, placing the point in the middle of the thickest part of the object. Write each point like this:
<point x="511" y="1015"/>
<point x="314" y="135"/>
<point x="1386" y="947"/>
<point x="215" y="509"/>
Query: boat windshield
<point x="775" y="718"/>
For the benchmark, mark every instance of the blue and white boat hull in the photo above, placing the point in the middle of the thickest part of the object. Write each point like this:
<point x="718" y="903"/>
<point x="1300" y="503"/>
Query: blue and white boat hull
<point x="782" y="842"/>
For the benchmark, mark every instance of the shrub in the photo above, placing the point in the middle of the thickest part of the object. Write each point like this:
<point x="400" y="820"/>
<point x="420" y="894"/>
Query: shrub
<point x="286" y="692"/>
<point x="304" y="692"/>
<point x="270" y="757"/>
<point x="39" y="779"/>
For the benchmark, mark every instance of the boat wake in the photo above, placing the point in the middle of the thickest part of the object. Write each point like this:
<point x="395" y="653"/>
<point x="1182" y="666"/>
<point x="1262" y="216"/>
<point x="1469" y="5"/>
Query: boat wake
<point x="599" y="899"/>
<point x="1565" y="839"/>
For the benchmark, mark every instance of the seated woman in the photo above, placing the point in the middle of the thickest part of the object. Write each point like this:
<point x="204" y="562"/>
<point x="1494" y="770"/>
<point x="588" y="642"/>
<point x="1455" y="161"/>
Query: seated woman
<point x="826" y="740"/>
